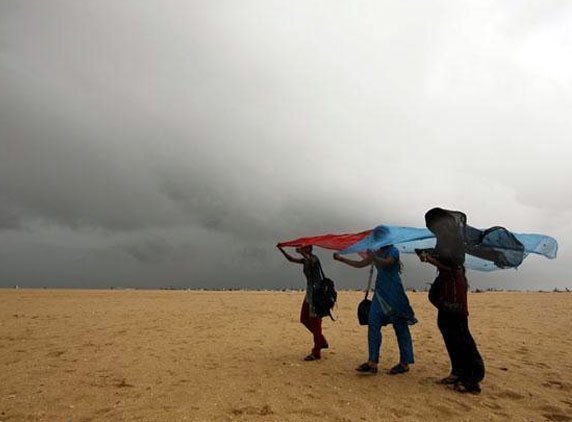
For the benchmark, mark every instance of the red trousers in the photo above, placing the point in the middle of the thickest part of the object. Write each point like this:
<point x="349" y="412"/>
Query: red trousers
<point x="314" y="325"/>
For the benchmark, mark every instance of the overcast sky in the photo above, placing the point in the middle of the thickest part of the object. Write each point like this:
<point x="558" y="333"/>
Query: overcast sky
<point x="151" y="143"/>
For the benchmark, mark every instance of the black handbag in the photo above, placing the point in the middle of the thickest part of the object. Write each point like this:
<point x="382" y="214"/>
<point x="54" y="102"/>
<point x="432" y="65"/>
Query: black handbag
<point x="365" y="304"/>
<point x="363" y="311"/>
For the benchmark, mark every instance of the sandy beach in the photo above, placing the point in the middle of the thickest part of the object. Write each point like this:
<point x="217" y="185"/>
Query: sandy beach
<point x="128" y="355"/>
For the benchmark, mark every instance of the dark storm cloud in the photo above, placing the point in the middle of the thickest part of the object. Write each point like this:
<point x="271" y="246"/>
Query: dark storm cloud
<point x="84" y="155"/>
<point x="149" y="251"/>
<point x="10" y="215"/>
<point x="180" y="141"/>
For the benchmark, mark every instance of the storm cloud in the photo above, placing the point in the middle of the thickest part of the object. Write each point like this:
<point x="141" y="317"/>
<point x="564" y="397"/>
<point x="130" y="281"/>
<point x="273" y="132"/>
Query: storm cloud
<point x="148" y="143"/>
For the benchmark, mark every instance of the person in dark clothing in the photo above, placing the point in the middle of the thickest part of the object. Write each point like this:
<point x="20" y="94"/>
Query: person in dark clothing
<point x="312" y="271"/>
<point x="448" y="294"/>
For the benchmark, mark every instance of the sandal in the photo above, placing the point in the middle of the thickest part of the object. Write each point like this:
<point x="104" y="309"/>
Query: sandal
<point x="365" y="368"/>
<point x="311" y="357"/>
<point x="448" y="380"/>
<point x="463" y="388"/>
<point x="398" y="369"/>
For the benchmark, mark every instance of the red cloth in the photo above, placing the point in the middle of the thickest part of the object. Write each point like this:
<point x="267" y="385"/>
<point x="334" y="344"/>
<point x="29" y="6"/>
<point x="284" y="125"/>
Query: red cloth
<point x="328" y="241"/>
<point x="449" y="291"/>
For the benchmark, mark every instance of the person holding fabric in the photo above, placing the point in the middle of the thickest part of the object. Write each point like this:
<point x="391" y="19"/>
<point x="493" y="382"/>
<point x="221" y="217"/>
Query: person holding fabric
<point x="448" y="294"/>
<point x="390" y="305"/>
<point x="313" y="272"/>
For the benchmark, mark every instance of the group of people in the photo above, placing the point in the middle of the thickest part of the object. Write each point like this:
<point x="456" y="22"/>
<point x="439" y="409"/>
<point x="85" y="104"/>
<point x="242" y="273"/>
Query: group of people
<point x="390" y="305"/>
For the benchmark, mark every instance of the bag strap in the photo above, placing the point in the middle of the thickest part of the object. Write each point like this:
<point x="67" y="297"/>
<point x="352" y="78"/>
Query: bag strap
<point x="369" y="280"/>
<point x="321" y="270"/>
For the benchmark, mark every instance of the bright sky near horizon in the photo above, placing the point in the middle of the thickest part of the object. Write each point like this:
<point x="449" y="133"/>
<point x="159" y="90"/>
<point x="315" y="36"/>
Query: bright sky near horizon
<point x="173" y="143"/>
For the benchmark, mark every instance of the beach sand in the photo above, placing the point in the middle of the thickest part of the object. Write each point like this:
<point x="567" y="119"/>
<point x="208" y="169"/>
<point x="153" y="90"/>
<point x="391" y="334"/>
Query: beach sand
<point x="128" y="355"/>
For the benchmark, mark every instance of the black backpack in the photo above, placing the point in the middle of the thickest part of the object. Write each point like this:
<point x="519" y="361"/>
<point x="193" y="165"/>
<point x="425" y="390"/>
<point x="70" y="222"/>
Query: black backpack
<point x="324" y="296"/>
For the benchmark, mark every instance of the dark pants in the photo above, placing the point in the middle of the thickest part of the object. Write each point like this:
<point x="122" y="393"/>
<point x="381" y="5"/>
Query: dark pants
<point x="466" y="361"/>
<point x="314" y="325"/>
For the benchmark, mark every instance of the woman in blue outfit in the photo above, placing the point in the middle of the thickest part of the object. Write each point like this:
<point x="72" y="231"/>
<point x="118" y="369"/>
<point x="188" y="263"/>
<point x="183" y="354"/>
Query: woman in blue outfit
<point x="390" y="305"/>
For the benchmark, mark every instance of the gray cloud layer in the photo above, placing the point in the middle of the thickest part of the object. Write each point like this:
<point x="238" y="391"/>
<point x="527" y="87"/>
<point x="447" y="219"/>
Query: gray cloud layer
<point x="147" y="144"/>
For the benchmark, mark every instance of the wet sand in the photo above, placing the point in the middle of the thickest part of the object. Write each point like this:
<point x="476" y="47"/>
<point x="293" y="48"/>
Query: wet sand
<point x="126" y="355"/>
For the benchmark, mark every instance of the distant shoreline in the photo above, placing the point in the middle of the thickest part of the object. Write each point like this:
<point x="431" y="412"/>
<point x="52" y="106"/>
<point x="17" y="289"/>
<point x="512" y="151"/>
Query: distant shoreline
<point x="183" y="289"/>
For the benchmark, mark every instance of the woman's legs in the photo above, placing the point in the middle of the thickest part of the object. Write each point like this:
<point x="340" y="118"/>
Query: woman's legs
<point x="305" y="315"/>
<point x="473" y="365"/>
<point x="374" y="336"/>
<point x="314" y="325"/>
<point x="376" y="319"/>
<point x="450" y="331"/>
<point x="404" y="342"/>
<point x="467" y="364"/>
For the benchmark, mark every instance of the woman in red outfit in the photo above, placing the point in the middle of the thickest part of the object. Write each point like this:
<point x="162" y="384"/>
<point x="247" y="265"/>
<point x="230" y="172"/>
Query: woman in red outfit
<point x="312" y="271"/>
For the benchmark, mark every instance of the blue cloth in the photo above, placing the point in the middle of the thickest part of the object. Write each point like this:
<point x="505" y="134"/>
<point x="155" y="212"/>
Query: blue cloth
<point x="378" y="318"/>
<point x="407" y="239"/>
<point x="389" y="291"/>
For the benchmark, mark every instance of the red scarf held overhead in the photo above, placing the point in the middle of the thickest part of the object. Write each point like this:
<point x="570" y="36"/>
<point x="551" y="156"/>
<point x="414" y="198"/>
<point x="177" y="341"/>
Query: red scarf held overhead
<point x="335" y="242"/>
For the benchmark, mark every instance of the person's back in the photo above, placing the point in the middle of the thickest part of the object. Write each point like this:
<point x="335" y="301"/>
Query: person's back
<point x="308" y="317"/>
<point x="389" y="287"/>
<point x="312" y="269"/>
<point x="388" y="277"/>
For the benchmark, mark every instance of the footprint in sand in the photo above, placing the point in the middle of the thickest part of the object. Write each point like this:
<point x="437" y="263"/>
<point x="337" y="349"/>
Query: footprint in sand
<point x="555" y="414"/>
<point x="444" y="410"/>
<point x="497" y="409"/>
<point x="251" y="410"/>
<point x="557" y="417"/>
<point x="559" y="385"/>
<point x="509" y="394"/>
<point x="55" y="354"/>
